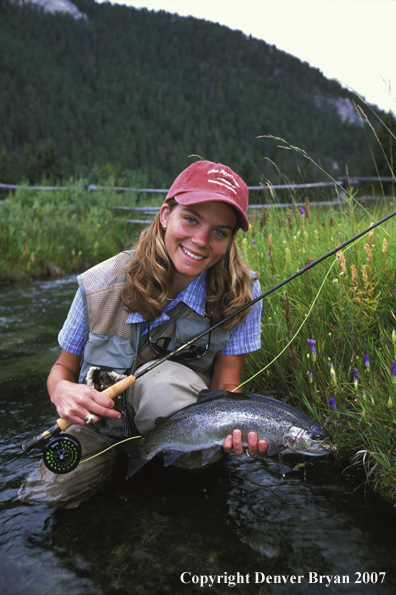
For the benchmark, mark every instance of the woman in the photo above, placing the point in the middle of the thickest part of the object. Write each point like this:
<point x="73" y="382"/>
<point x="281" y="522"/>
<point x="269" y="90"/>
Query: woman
<point x="184" y="275"/>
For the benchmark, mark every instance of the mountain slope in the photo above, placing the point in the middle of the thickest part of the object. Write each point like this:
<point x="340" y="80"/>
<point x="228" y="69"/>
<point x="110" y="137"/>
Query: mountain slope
<point x="145" y="90"/>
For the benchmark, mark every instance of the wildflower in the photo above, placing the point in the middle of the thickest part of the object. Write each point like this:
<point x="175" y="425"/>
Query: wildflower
<point x="393" y="372"/>
<point x="254" y="243"/>
<point x="332" y="403"/>
<point x="366" y="358"/>
<point x="355" y="377"/>
<point x="369" y="252"/>
<point x="302" y="212"/>
<point x="333" y="374"/>
<point x="366" y="282"/>
<point x="310" y="376"/>
<point x="342" y="262"/>
<point x="355" y="279"/>
<point x="311" y="344"/>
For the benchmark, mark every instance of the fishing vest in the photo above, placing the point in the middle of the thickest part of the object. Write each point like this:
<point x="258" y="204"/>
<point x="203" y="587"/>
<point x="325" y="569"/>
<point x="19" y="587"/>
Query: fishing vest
<point x="112" y="344"/>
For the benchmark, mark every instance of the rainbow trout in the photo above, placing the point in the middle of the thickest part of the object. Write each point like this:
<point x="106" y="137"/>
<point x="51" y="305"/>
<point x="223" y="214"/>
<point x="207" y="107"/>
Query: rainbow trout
<point x="204" y="425"/>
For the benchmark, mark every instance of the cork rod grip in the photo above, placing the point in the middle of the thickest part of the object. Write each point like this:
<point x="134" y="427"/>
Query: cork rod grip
<point x="112" y="392"/>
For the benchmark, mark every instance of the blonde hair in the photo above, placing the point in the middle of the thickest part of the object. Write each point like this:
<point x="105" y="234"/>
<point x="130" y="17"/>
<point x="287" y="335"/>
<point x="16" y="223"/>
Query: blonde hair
<point x="229" y="282"/>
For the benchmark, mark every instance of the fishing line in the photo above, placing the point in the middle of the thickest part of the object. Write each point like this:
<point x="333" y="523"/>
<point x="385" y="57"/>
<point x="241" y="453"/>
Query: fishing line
<point x="294" y="336"/>
<point x="299" y="328"/>
<point x="109" y="448"/>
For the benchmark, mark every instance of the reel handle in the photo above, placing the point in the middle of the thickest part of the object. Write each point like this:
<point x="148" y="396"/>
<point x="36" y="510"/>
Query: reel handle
<point x="62" y="424"/>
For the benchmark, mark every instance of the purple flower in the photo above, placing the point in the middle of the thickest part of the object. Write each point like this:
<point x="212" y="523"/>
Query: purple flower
<point x="310" y="375"/>
<point x="332" y="403"/>
<point x="393" y="372"/>
<point x="356" y="377"/>
<point x="311" y="344"/>
<point x="366" y="358"/>
<point x="302" y="212"/>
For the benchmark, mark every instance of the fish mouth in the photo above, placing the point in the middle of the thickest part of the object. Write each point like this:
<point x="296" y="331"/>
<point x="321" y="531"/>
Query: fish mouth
<point x="321" y="448"/>
<point x="299" y="441"/>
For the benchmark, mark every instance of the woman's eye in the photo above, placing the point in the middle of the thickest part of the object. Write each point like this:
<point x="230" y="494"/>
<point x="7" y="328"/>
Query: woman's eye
<point x="219" y="233"/>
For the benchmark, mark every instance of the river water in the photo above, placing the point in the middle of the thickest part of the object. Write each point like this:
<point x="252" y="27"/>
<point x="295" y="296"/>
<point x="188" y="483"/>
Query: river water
<point x="247" y="525"/>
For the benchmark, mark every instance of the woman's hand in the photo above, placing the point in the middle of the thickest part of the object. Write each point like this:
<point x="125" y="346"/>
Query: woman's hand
<point x="74" y="401"/>
<point x="255" y="447"/>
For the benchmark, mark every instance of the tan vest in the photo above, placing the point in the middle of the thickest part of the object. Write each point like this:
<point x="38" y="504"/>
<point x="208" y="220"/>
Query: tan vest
<point x="112" y="344"/>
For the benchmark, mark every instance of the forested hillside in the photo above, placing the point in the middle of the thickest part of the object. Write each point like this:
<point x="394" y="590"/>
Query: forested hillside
<point x="142" y="91"/>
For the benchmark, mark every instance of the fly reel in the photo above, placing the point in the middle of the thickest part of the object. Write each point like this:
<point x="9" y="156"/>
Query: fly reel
<point x="62" y="454"/>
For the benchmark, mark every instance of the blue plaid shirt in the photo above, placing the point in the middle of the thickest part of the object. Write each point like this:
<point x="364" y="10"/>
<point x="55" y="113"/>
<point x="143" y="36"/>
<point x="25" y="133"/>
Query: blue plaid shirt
<point x="244" y="338"/>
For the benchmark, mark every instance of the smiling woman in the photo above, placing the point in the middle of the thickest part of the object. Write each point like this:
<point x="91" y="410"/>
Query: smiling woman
<point x="184" y="275"/>
<point x="196" y="238"/>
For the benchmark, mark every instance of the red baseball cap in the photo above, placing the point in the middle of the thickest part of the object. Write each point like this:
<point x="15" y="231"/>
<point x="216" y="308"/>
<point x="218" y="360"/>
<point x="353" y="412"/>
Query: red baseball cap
<point x="204" y="181"/>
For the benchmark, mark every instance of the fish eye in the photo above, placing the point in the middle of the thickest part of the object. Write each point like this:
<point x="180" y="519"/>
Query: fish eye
<point x="318" y="434"/>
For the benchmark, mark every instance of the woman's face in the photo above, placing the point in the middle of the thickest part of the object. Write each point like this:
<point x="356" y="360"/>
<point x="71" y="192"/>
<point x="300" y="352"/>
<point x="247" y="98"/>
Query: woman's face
<point x="197" y="235"/>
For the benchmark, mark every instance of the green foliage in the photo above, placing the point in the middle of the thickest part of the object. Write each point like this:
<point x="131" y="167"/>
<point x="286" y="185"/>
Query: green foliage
<point x="143" y="90"/>
<point x="44" y="232"/>
<point x="347" y="306"/>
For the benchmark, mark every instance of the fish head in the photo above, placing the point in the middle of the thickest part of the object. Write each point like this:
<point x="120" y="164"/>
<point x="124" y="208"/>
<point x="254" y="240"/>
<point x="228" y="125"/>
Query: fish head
<point x="314" y="442"/>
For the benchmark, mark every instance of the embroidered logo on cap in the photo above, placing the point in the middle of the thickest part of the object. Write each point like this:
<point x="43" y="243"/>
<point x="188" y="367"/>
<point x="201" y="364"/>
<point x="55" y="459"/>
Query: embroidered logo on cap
<point x="222" y="179"/>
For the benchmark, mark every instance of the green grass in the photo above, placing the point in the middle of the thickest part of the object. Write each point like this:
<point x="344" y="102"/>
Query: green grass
<point x="347" y="306"/>
<point x="45" y="232"/>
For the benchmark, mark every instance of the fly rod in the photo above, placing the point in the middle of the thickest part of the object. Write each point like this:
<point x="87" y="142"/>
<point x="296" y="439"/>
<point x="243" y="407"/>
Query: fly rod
<point x="114" y="391"/>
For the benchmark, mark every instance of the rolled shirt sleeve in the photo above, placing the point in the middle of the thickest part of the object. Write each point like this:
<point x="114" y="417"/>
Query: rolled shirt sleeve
<point x="71" y="337"/>
<point x="246" y="336"/>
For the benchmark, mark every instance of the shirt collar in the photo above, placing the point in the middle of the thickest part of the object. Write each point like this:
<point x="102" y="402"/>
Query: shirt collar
<point x="193" y="296"/>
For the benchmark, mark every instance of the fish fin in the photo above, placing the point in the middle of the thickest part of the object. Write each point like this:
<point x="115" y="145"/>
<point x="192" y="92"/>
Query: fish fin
<point x="208" y="394"/>
<point x="274" y="449"/>
<point x="209" y="453"/>
<point x="135" y="461"/>
<point x="170" y="456"/>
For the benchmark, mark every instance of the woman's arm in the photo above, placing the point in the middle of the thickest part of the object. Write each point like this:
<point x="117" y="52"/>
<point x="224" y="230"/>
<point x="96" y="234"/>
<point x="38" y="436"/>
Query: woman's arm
<point x="227" y="372"/>
<point x="227" y="376"/>
<point x="74" y="401"/>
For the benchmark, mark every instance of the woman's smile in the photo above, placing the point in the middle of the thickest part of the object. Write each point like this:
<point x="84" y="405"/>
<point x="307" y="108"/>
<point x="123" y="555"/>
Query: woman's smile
<point x="197" y="236"/>
<point x="195" y="256"/>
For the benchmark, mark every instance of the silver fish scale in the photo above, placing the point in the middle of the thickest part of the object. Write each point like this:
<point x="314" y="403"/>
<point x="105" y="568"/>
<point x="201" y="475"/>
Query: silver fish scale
<point x="204" y="425"/>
